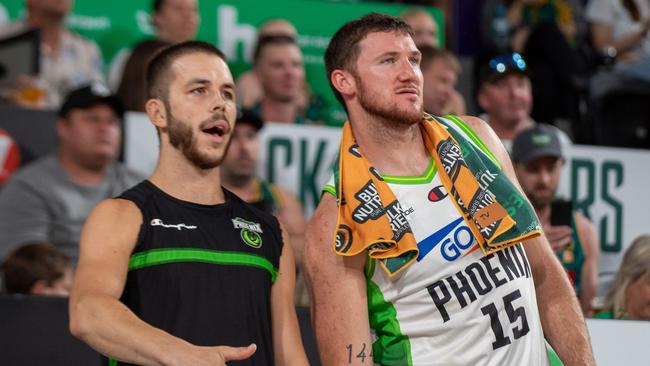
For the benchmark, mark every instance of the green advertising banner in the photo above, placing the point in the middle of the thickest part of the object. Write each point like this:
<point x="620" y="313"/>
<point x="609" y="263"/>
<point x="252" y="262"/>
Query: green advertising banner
<point x="232" y="26"/>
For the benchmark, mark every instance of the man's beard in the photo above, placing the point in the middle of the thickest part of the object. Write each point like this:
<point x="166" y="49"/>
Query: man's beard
<point x="540" y="201"/>
<point x="389" y="111"/>
<point x="182" y="138"/>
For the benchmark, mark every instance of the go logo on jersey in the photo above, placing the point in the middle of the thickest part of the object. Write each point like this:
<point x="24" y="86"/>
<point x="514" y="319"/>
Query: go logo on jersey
<point x="453" y="240"/>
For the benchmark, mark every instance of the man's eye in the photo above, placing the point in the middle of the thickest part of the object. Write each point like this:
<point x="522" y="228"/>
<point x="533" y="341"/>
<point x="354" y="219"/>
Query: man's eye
<point x="199" y="91"/>
<point x="228" y="95"/>
<point x="389" y="61"/>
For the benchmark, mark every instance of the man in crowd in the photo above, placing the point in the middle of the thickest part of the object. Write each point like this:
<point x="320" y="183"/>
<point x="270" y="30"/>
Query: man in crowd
<point x="425" y="28"/>
<point x="538" y="161"/>
<point x="175" y="21"/>
<point x="505" y="95"/>
<point x="411" y="263"/>
<point x="49" y="199"/>
<point x="279" y="66"/>
<point x="249" y="90"/>
<point x="176" y="268"/>
<point x="238" y="174"/>
<point x="440" y="71"/>
<point x="67" y="59"/>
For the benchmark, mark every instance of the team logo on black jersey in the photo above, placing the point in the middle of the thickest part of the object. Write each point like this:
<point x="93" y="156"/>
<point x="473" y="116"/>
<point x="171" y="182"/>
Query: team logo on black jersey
<point x="250" y="231"/>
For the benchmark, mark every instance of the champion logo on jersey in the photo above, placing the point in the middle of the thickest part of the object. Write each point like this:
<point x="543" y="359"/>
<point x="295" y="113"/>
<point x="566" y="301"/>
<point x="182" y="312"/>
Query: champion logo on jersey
<point x="437" y="194"/>
<point x="453" y="240"/>
<point x="181" y="226"/>
<point x="250" y="232"/>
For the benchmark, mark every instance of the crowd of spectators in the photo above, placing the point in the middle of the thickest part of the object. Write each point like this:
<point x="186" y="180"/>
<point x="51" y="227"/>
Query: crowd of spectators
<point x="536" y="59"/>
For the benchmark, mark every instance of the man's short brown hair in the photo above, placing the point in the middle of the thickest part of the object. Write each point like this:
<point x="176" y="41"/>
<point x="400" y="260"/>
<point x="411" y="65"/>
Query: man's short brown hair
<point x="343" y="50"/>
<point x="159" y="74"/>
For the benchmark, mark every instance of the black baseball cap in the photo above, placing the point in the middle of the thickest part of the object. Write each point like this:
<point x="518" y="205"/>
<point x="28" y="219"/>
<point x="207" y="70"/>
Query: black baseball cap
<point x="250" y="117"/>
<point x="89" y="96"/>
<point x="501" y="66"/>
<point x="536" y="142"/>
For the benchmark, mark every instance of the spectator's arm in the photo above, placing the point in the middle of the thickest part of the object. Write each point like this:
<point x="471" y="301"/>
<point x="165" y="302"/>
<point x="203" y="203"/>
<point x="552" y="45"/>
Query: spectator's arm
<point x="287" y="344"/>
<point x="602" y="37"/>
<point x="562" y="320"/>
<point x="292" y="218"/>
<point x="106" y="324"/>
<point x="589" y="270"/>
<point x="338" y="291"/>
<point x="24" y="216"/>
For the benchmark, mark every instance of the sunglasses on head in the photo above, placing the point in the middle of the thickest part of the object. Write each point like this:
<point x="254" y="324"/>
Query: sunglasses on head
<point x="504" y="63"/>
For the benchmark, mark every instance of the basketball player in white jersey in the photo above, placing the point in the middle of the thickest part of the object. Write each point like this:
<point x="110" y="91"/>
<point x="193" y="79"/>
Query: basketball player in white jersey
<point x="453" y="305"/>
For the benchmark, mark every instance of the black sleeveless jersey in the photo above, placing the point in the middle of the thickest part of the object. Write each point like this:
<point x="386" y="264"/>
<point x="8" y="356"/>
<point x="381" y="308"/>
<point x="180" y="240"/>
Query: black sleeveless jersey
<point x="204" y="273"/>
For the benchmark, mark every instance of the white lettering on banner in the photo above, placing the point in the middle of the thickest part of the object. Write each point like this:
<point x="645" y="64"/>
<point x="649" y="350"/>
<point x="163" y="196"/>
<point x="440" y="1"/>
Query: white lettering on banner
<point x="313" y="41"/>
<point x="5" y="143"/>
<point x="143" y="20"/>
<point x="86" y="22"/>
<point x="230" y="33"/>
<point x="609" y="186"/>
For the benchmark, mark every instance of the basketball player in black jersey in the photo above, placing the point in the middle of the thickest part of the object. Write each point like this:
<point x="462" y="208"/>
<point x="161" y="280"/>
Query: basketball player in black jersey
<point x="177" y="270"/>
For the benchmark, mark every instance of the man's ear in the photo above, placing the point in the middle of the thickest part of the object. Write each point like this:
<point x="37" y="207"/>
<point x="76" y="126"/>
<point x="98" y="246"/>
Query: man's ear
<point x="344" y="82"/>
<point x="157" y="113"/>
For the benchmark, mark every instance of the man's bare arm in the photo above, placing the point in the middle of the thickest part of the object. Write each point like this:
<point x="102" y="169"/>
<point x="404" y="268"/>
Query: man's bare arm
<point x="589" y="270"/>
<point x="101" y="320"/>
<point x="560" y="313"/>
<point x="287" y="344"/>
<point x="338" y="291"/>
<point x="292" y="218"/>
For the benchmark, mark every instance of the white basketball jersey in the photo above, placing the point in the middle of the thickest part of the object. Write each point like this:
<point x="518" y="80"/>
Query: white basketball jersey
<point x="453" y="306"/>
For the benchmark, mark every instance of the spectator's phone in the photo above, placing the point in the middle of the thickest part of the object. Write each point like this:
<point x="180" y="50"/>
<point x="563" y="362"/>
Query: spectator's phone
<point x="561" y="212"/>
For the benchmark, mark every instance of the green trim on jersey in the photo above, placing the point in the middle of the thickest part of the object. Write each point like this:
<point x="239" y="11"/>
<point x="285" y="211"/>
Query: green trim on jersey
<point x="424" y="178"/>
<point x="553" y="358"/>
<point x="392" y="348"/>
<point x="157" y="257"/>
<point x="329" y="189"/>
<point x="112" y="362"/>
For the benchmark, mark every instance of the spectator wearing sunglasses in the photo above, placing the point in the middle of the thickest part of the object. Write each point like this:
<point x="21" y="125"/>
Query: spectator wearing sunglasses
<point x="505" y="94"/>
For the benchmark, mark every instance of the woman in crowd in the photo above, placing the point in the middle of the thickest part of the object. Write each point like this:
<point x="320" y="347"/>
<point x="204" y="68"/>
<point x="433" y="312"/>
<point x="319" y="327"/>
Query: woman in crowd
<point x="629" y="295"/>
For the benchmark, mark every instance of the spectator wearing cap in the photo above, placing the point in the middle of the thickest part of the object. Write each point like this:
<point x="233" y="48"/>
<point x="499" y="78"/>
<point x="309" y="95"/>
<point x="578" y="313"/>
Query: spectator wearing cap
<point x="49" y="199"/>
<point x="538" y="160"/>
<point x="238" y="174"/>
<point x="67" y="60"/>
<point x="505" y="94"/>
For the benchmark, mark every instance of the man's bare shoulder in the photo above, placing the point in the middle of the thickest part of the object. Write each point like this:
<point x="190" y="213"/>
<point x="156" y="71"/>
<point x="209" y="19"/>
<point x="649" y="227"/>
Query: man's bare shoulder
<point x="119" y="207"/>
<point x="114" y="215"/>
<point x="479" y="126"/>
